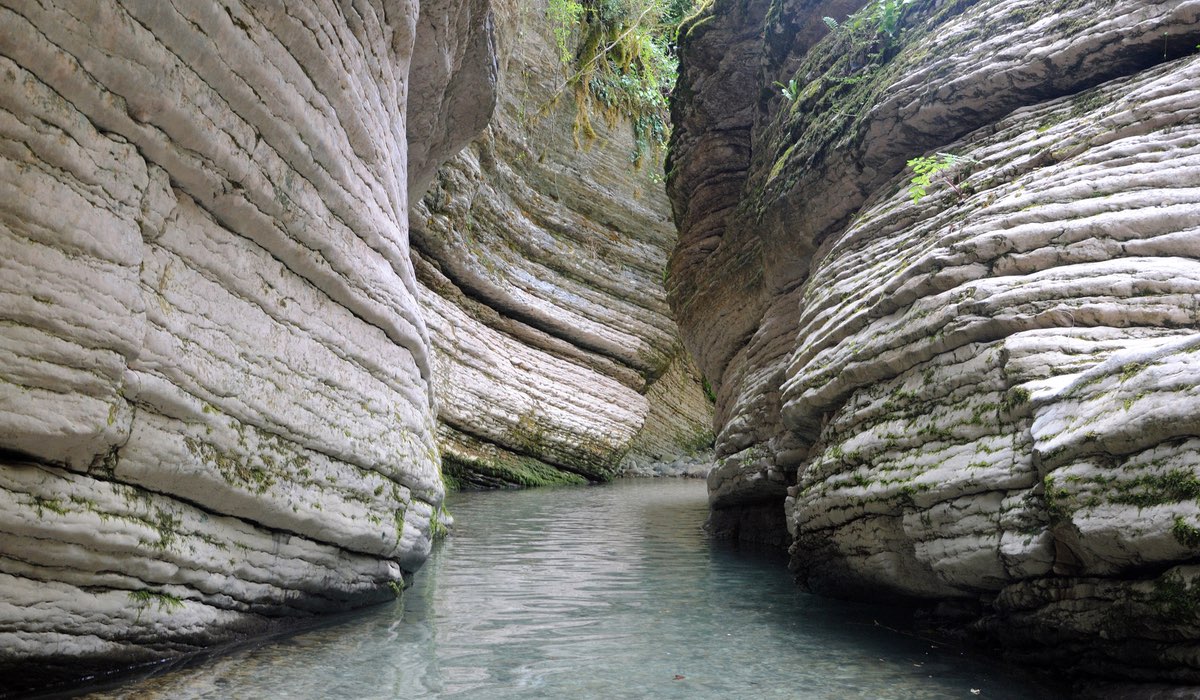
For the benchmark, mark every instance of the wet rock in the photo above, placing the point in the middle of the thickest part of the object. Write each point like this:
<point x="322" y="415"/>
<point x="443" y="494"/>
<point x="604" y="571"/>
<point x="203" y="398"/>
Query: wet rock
<point x="982" y="394"/>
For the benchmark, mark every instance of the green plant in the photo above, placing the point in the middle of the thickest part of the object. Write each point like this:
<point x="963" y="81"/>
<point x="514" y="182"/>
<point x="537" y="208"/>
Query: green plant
<point x="1016" y="396"/>
<point x="164" y="601"/>
<point x="51" y="504"/>
<point x="790" y="91"/>
<point x="1175" y="596"/>
<point x="1175" y="486"/>
<point x="1058" y="500"/>
<point x="886" y="14"/>
<point x="1187" y="535"/>
<point x="621" y="64"/>
<point x="881" y="16"/>
<point x="564" y="16"/>
<point x="925" y="168"/>
<point x="437" y="525"/>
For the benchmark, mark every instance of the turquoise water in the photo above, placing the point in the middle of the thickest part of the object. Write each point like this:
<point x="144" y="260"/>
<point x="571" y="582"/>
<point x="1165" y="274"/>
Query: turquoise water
<point x="598" y="592"/>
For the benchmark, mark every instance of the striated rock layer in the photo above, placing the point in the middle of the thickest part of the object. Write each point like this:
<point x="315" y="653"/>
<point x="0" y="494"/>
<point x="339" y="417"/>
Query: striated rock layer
<point x="985" y="396"/>
<point x="216" y="385"/>
<point x="540" y="261"/>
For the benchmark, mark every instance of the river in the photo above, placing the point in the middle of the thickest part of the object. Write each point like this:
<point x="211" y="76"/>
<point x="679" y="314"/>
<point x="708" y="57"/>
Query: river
<point x="596" y="592"/>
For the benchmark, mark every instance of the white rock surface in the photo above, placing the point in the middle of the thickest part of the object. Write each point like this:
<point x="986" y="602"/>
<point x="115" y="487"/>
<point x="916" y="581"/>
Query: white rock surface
<point x="216" y="385"/>
<point x="541" y="265"/>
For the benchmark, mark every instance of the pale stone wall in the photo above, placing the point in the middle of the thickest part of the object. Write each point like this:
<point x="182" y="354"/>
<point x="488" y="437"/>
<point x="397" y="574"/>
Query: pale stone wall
<point x="541" y="259"/>
<point x="216" y="384"/>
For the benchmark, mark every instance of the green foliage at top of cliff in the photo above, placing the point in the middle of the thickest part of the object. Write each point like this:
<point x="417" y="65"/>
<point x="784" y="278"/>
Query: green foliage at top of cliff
<point x="619" y="55"/>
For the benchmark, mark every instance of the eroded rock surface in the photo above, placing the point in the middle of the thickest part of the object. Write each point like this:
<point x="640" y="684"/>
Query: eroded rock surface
<point x="541" y="257"/>
<point x="228" y="386"/>
<point x="986" y="396"/>
<point x="216" y="383"/>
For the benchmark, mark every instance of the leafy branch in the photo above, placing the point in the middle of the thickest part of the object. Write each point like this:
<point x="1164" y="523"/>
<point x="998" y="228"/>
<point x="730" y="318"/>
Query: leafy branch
<point x="926" y="168"/>
<point x="619" y="63"/>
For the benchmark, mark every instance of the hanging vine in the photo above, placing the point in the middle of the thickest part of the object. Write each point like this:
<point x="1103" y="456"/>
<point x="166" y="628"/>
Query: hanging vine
<point x="619" y="62"/>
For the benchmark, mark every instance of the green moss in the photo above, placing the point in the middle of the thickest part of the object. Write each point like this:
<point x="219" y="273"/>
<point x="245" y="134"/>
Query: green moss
<point x="1017" y="396"/>
<point x="697" y="442"/>
<point x="1131" y="370"/>
<point x="619" y="63"/>
<point x="51" y="504"/>
<point x="1058" y="500"/>
<point x="437" y="525"/>
<point x="255" y="469"/>
<point x="1184" y="533"/>
<point x="502" y="470"/>
<point x="167" y="526"/>
<point x="398" y="518"/>
<point x="1087" y="101"/>
<point x="1129" y="401"/>
<point x="1174" y="597"/>
<point x="1049" y="122"/>
<point x="1175" y="486"/>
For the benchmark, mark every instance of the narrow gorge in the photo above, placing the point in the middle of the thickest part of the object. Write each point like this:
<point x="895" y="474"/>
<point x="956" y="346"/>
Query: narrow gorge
<point x="918" y="280"/>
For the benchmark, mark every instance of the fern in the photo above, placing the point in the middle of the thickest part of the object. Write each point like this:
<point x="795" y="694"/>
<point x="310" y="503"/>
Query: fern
<point x="925" y="168"/>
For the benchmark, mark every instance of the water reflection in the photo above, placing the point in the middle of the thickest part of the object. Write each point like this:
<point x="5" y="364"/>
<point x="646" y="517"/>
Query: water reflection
<point x="604" y="592"/>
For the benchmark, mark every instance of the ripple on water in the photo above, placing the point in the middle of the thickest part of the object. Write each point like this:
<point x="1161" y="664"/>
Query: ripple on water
<point x="596" y="592"/>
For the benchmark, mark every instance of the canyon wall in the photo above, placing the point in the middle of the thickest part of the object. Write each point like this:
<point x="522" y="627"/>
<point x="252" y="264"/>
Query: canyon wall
<point x="983" y="395"/>
<point x="540" y="255"/>
<point x="216" y="385"/>
<point x="229" y="387"/>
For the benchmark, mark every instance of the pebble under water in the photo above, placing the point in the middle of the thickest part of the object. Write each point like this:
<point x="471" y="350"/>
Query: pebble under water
<point x="596" y="592"/>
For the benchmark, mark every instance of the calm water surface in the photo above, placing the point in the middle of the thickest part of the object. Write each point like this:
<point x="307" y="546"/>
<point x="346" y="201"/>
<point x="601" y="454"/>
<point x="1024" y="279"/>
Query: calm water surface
<point x="599" y="592"/>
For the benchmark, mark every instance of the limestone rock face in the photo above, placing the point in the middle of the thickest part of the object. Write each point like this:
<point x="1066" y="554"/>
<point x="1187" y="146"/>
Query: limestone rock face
<point x="985" y="395"/>
<point x="540" y="259"/>
<point x="216" y="384"/>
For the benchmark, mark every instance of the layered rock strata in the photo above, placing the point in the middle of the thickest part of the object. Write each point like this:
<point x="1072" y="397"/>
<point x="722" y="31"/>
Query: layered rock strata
<point x="983" y="396"/>
<point x="216" y="385"/>
<point x="540" y="256"/>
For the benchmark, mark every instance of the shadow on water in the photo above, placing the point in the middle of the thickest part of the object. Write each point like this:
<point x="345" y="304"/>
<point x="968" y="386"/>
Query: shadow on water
<point x="597" y="592"/>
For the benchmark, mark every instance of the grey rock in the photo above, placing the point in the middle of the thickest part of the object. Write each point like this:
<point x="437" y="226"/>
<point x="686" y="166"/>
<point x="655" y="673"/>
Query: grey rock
<point x="983" y="396"/>
<point x="216" y="391"/>
<point x="541" y="258"/>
